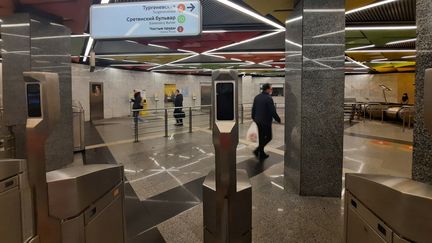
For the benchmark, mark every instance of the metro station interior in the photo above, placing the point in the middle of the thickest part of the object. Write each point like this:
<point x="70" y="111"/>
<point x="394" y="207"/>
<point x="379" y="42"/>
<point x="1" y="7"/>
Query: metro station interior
<point x="126" y="121"/>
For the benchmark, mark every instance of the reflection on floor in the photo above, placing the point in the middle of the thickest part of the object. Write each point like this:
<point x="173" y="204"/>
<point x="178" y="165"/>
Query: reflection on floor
<point x="163" y="192"/>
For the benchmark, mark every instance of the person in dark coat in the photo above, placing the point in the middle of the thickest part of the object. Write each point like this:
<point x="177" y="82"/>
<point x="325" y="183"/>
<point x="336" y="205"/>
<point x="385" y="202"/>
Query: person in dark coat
<point x="137" y="105"/>
<point x="405" y="99"/>
<point x="178" y="110"/>
<point x="263" y="113"/>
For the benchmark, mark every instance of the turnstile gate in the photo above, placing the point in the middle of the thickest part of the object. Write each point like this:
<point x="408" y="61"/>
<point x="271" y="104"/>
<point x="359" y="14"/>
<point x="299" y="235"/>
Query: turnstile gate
<point x="386" y="209"/>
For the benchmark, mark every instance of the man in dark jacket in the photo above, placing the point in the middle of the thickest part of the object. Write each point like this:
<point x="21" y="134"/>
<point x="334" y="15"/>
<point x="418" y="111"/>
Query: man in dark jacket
<point x="178" y="111"/>
<point x="263" y="113"/>
<point x="136" y="105"/>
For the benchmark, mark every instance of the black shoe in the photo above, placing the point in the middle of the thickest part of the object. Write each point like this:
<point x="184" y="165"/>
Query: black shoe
<point x="263" y="157"/>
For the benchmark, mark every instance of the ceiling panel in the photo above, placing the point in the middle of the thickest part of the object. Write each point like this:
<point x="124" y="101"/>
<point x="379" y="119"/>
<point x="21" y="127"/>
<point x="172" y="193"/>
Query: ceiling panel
<point x="279" y="9"/>
<point x="126" y="47"/>
<point x="256" y="58"/>
<point x="159" y="59"/>
<point x="205" y="42"/>
<point x="402" y="11"/>
<point x="271" y="43"/>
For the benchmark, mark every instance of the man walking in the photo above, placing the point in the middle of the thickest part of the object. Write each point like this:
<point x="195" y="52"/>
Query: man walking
<point x="263" y="113"/>
<point x="178" y="110"/>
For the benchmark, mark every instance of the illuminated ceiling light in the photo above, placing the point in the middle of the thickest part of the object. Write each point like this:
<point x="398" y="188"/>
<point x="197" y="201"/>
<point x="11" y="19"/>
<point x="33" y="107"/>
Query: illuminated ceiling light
<point x="211" y="55"/>
<point x="183" y="50"/>
<point x="390" y="62"/>
<point x="82" y="35"/>
<point x="159" y="46"/>
<point x="404" y="27"/>
<point x="328" y="34"/>
<point x="200" y="63"/>
<point x="236" y="59"/>
<point x="250" y="13"/>
<point x="245" y="41"/>
<point x="370" y="6"/>
<point x="358" y="63"/>
<point x="268" y="61"/>
<point x="385" y="51"/>
<point x="361" y="47"/>
<point x="379" y="60"/>
<point x="294" y="19"/>
<point x="408" y="57"/>
<point x="130" y="65"/>
<point x="401" y="41"/>
<point x="130" y="41"/>
<point x="179" y="60"/>
<point x="142" y="54"/>
<point x="328" y="10"/>
<point x="104" y="1"/>
<point x="88" y="48"/>
<point x="293" y="43"/>
<point x="214" y="31"/>
<point x="248" y="52"/>
<point x="14" y="25"/>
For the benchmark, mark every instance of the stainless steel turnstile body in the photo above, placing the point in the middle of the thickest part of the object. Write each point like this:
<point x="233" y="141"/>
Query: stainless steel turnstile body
<point x="74" y="205"/>
<point x="237" y="209"/>
<point x="387" y="209"/>
<point x="16" y="225"/>
<point x="227" y="192"/>
<point x="87" y="203"/>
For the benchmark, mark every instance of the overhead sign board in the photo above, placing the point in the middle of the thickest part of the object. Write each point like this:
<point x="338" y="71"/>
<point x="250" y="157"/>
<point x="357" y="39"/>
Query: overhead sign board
<point x="146" y="19"/>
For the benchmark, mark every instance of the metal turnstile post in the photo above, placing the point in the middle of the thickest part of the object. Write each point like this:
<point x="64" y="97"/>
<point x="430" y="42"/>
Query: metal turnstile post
<point x="227" y="192"/>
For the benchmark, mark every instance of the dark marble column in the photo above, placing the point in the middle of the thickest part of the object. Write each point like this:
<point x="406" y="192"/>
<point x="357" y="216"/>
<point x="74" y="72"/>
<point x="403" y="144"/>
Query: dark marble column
<point x="33" y="43"/>
<point x="315" y="46"/>
<point x="15" y="33"/>
<point x="422" y="156"/>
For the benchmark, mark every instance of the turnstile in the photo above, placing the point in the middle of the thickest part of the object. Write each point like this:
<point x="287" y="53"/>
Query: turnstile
<point x="227" y="192"/>
<point x="15" y="202"/>
<point x="380" y="209"/>
<point x="81" y="204"/>
<point x="87" y="203"/>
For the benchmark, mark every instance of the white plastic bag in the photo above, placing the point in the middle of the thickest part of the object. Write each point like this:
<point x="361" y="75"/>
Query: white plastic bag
<point x="252" y="133"/>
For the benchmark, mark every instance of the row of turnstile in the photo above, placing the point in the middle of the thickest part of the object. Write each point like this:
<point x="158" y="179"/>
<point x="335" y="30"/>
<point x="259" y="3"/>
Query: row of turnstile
<point x="85" y="204"/>
<point x="82" y="204"/>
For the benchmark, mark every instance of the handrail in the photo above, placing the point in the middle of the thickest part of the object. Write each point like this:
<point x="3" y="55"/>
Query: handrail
<point x="192" y="116"/>
<point x="171" y="108"/>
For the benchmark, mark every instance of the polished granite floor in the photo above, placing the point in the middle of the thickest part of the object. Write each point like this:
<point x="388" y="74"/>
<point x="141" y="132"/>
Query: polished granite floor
<point x="164" y="178"/>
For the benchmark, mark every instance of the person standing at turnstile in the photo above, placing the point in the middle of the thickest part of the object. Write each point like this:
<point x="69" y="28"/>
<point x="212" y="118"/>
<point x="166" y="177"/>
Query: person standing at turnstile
<point x="263" y="113"/>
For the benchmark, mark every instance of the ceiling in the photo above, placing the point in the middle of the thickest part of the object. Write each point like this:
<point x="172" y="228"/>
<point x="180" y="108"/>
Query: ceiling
<point x="234" y="39"/>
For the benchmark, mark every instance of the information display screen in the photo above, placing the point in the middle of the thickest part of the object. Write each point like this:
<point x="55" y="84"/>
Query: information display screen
<point x="225" y="101"/>
<point x="34" y="108"/>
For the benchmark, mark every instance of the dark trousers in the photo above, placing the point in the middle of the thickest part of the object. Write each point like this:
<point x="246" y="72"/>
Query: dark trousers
<point x="265" y="136"/>
<point x="177" y="115"/>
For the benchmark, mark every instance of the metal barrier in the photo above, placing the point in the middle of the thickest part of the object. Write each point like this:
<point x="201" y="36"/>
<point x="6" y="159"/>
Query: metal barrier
<point x="246" y="111"/>
<point x="162" y="120"/>
<point x="407" y="114"/>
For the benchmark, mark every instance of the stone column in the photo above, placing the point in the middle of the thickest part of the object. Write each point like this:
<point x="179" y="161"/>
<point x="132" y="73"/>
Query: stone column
<point x="422" y="156"/>
<point x="32" y="43"/>
<point x="314" y="96"/>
